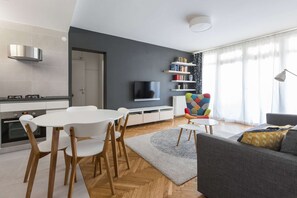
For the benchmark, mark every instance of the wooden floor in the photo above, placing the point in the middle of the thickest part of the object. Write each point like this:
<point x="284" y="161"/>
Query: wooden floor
<point x="143" y="180"/>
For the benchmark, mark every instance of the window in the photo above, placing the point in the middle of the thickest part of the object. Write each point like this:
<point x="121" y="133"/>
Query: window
<point x="241" y="81"/>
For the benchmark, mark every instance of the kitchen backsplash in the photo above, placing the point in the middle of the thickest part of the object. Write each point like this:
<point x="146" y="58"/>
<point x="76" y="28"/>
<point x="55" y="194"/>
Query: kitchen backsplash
<point x="48" y="77"/>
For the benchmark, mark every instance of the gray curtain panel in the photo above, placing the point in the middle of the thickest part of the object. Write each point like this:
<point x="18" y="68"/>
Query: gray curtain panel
<point x="198" y="72"/>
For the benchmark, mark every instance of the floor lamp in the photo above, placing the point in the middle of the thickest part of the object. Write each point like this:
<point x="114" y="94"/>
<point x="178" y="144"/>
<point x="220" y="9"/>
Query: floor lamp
<point x="282" y="76"/>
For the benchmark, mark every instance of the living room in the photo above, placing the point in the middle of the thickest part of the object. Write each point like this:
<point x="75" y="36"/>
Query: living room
<point x="197" y="99"/>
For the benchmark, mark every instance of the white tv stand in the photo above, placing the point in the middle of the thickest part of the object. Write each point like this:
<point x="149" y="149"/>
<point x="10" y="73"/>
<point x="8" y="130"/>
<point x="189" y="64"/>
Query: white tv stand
<point x="149" y="114"/>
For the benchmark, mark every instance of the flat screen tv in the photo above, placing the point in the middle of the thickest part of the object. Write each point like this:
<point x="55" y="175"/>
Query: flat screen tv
<point x="146" y="90"/>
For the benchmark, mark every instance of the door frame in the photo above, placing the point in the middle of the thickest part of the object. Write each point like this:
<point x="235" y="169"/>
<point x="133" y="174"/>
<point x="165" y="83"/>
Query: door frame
<point x="70" y="73"/>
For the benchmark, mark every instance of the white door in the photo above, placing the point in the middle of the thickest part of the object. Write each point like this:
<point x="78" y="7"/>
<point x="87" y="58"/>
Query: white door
<point x="78" y="83"/>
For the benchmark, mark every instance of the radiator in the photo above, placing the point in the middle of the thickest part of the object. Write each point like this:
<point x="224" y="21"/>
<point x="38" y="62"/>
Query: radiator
<point x="179" y="105"/>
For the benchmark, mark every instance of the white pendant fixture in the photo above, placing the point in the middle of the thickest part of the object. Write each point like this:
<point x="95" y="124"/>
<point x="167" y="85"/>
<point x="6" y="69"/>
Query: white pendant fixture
<point x="200" y="23"/>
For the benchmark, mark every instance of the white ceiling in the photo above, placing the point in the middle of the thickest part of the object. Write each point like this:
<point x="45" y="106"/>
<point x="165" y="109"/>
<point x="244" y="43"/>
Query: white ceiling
<point x="164" y="22"/>
<point x="51" y="14"/>
<point x="159" y="22"/>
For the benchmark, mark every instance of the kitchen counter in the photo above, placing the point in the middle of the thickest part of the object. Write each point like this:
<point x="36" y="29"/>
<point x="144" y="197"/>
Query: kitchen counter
<point x="46" y="98"/>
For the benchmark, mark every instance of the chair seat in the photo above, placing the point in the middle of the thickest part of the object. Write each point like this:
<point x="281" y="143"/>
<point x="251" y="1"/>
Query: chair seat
<point x="46" y="146"/>
<point x="86" y="148"/>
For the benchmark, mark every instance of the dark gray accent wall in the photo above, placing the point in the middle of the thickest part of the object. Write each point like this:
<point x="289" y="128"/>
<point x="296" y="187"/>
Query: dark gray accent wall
<point x="127" y="61"/>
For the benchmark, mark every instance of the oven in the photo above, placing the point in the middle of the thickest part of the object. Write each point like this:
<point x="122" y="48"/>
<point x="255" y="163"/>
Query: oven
<point x="12" y="131"/>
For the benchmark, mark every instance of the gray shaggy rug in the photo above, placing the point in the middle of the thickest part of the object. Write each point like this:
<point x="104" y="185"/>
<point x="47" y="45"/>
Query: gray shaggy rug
<point x="178" y="163"/>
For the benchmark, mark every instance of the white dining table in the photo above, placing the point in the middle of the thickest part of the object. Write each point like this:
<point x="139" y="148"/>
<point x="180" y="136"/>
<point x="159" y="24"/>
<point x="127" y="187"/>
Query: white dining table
<point x="58" y="119"/>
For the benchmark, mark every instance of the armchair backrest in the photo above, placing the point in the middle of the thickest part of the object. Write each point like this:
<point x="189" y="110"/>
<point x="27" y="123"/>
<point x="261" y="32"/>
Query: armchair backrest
<point x="197" y="104"/>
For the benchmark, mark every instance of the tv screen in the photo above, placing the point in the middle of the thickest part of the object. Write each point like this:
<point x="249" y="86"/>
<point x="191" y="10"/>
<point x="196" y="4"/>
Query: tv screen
<point x="146" y="90"/>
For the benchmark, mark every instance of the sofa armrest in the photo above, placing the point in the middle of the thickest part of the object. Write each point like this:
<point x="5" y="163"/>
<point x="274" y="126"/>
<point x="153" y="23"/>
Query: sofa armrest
<point x="228" y="169"/>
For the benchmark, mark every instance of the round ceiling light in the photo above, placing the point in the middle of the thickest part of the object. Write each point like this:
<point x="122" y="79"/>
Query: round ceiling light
<point x="200" y="23"/>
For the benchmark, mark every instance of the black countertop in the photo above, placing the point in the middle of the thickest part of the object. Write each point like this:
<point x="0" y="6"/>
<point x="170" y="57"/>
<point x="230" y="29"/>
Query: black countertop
<point x="46" y="98"/>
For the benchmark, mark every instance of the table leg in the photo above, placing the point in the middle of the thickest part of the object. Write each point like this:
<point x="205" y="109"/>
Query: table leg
<point x="210" y="129"/>
<point x="53" y="161"/>
<point x="190" y="135"/>
<point x="206" y="129"/>
<point x="181" y="131"/>
<point x="195" y="138"/>
<point x="114" y="152"/>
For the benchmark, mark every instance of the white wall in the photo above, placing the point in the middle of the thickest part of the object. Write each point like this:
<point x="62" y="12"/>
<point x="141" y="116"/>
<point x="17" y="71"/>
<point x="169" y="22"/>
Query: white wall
<point x="94" y="76"/>
<point x="47" y="78"/>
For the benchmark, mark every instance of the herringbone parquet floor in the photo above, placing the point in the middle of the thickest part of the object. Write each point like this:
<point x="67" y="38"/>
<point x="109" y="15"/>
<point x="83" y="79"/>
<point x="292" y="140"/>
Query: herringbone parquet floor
<point x="142" y="180"/>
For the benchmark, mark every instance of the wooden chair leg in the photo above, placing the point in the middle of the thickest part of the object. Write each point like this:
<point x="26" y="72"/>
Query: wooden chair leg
<point x="181" y="131"/>
<point x="68" y="161"/>
<point x="108" y="173"/>
<point x="119" y="146"/>
<point x="75" y="180"/>
<point x="72" y="177"/>
<point x="125" y="153"/>
<point x="190" y="135"/>
<point x="100" y="166"/>
<point x="29" y="165"/>
<point x="96" y="164"/>
<point x="32" y="175"/>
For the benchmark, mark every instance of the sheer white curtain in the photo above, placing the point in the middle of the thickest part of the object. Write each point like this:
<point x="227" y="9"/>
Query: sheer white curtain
<point x="240" y="79"/>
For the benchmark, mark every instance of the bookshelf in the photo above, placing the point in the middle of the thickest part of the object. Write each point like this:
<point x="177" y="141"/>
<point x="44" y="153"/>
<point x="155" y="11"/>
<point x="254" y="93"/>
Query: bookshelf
<point x="181" y="76"/>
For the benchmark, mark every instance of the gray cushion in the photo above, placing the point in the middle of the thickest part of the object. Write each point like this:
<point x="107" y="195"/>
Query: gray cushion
<point x="289" y="144"/>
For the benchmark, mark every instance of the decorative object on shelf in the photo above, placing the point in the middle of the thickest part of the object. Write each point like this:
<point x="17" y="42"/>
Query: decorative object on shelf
<point x="191" y="77"/>
<point x="181" y="59"/>
<point x="184" y="86"/>
<point x="200" y="23"/>
<point x="181" y="68"/>
<point x="282" y="76"/>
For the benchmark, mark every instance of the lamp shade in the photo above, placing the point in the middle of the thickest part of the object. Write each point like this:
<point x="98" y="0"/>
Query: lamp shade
<point x="281" y="76"/>
<point x="200" y="23"/>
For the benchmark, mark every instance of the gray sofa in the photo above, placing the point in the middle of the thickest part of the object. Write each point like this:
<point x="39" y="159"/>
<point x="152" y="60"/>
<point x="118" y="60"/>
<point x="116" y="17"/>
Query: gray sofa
<point x="229" y="169"/>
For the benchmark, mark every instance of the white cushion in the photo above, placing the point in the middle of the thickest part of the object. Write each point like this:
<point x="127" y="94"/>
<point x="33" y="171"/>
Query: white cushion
<point x="87" y="148"/>
<point x="46" y="146"/>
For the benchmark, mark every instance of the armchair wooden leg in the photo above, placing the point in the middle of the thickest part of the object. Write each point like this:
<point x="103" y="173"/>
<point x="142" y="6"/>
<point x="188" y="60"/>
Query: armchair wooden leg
<point x="32" y="175"/>
<point x="108" y="173"/>
<point x="29" y="165"/>
<point x="125" y="153"/>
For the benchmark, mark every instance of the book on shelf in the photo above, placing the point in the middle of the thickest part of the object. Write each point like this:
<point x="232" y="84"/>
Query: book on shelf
<point x="181" y="68"/>
<point x="179" y="77"/>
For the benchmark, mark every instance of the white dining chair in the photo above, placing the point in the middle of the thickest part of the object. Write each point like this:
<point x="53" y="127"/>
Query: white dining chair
<point x="120" y="132"/>
<point x="38" y="150"/>
<point x="81" y="108"/>
<point x="88" y="148"/>
<point x="119" y="135"/>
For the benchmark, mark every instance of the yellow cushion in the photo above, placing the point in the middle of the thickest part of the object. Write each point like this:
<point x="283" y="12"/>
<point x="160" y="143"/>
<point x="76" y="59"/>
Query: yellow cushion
<point x="265" y="139"/>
